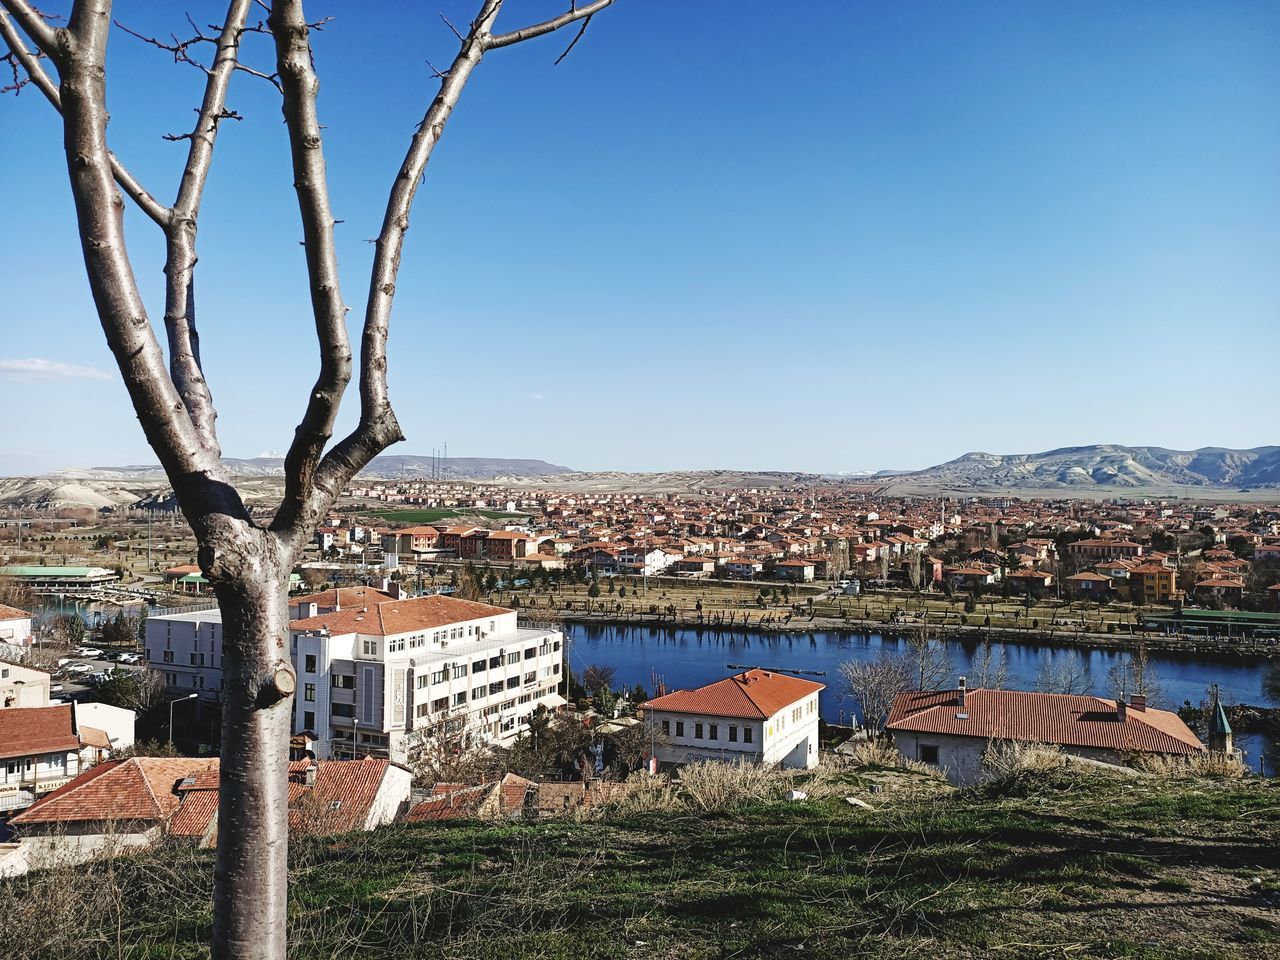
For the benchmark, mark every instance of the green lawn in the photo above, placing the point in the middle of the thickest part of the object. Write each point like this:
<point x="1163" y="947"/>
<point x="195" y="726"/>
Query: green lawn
<point x="1046" y="864"/>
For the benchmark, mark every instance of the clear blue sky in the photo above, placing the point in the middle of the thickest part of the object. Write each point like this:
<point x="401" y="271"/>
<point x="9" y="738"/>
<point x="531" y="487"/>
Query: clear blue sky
<point x="830" y="236"/>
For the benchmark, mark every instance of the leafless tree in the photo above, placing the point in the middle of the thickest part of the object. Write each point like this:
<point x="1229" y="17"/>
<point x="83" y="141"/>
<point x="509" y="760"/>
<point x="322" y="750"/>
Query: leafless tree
<point x="873" y="685"/>
<point x="928" y="662"/>
<point x="246" y="561"/>
<point x="442" y="749"/>
<point x="1065" y="673"/>
<point x="989" y="670"/>
<point x="1133" y="674"/>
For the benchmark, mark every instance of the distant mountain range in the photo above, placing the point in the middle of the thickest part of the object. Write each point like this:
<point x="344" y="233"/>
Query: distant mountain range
<point x="385" y="467"/>
<point x="1099" y="468"/>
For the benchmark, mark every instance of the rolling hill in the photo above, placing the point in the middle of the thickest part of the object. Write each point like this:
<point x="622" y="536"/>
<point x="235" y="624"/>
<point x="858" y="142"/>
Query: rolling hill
<point x="1106" y="468"/>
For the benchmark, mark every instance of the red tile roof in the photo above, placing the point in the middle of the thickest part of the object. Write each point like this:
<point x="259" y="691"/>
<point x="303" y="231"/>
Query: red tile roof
<point x="392" y="617"/>
<point x="754" y="695"/>
<point x="31" y="731"/>
<point x="1042" y="718"/>
<point x="343" y="597"/>
<point x="13" y="613"/>
<point x="453" y="801"/>
<point x="140" y="788"/>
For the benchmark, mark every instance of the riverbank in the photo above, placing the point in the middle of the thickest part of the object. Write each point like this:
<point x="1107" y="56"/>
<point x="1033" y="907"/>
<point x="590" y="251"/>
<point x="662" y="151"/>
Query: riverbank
<point x="1029" y="636"/>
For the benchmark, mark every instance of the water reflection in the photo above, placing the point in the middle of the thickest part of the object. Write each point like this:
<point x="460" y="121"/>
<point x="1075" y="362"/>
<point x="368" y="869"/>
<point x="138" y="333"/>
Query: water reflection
<point x="692" y="656"/>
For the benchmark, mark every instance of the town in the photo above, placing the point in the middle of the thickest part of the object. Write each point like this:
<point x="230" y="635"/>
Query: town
<point x="414" y="642"/>
<point x="902" y="577"/>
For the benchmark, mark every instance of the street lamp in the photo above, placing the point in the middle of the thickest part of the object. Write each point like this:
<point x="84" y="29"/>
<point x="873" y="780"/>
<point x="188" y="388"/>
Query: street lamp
<point x="189" y="696"/>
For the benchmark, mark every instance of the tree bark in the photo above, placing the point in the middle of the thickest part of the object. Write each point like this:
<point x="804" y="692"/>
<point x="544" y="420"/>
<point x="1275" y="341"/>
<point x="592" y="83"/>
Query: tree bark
<point x="251" y="875"/>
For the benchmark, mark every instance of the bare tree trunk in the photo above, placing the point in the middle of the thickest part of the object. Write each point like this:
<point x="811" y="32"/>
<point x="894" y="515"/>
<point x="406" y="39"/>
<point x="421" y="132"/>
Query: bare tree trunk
<point x="253" y="825"/>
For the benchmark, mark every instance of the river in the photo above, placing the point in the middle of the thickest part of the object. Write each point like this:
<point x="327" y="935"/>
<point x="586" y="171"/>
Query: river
<point x="685" y="657"/>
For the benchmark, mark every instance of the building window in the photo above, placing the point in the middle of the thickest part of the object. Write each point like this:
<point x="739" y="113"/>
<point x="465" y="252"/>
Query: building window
<point x="666" y="728"/>
<point x="714" y="732"/>
<point x="309" y="692"/>
<point x="459" y="671"/>
<point x="342" y="710"/>
<point x="697" y="731"/>
<point x="369" y="647"/>
<point x="495" y="662"/>
<point x="460" y="699"/>
<point x="440" y="704"/>
<point x="531" y="653"/>
<point x="733" y="734"/>
<point x="309" y="663"/>
<point x="513" y="659"/>
<point x="308" y="721"/>
<point x="747" y="734"/>
<point x="478" y="666"/>
<point x="168" y="656"/>
<point x="437" y="676"/>
<point x="929" y="753"/>
<point x="679" y="728"/>
<point x="513" y="682"/>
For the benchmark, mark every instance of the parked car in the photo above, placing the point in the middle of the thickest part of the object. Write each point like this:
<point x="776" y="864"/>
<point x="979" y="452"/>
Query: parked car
<point x="79" y="668"/>
<point x="88" y="652"/>
<point x="130" y="658"/>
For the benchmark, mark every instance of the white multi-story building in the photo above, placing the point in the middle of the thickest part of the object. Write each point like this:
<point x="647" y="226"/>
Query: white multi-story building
<point x="372" y="669"/>
<point x="185" y="647"/>
<point x="185" y="644"/>
<point x="757" y="716"/>
<point x="370" y="676"/>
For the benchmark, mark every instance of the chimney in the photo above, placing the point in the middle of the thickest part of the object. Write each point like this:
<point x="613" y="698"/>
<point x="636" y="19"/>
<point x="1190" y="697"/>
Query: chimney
<point x="963" y="689"/>
<point x="311" y="774"/>
<point x="1122" y="714"/>
<point x="395" y="589"/>
<point x="1138" y="701"/>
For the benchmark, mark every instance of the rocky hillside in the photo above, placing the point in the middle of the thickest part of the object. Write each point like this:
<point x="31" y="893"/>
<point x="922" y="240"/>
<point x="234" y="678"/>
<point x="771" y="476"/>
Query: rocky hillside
<point x="387" y="467"/>
<point x="1102" y="467"/>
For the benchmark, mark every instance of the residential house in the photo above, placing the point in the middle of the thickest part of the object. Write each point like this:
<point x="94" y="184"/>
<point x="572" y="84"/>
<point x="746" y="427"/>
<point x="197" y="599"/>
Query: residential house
<point x="757" y="716"/>
<point x="1105" y="548"/>
<point x="1153" y="583"/>
<point x="15" y="626"/>
<point x="800" y="571"/>
<point x="23" y="687"/>
<point x="41" y="748"/>
<point x="1087" y="585"/>
<point x="951" y="729"/>
<point x="115" y="806"/>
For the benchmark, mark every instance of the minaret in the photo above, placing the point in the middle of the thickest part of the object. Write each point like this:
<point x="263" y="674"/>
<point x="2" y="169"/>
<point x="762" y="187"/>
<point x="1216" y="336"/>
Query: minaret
<point x="1219" y="727"/>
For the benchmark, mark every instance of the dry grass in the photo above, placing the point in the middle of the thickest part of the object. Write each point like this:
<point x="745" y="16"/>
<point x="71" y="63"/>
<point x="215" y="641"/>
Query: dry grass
<point x="716" y="787"/>
<point x="1204" y="765"/>
<point x="1005" y="758"/>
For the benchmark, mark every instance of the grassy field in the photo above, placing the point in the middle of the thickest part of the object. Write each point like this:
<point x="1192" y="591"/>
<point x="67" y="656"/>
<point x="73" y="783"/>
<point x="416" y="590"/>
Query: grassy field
<point x="741" y="599"/>
<point x="1047" y="864"/>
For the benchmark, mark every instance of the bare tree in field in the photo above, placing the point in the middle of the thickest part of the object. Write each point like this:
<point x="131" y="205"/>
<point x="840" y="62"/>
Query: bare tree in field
<point x="873" y="685"/>
<point x="248" y="563"/>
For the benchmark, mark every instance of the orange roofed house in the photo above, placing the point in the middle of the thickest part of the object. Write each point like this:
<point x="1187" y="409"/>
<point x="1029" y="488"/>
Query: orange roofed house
<point x="951" y="729"/>
<point x="757" y="716"/>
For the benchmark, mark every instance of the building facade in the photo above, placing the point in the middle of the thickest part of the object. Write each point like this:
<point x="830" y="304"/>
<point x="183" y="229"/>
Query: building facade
<point x="370" y="678"/>
<point x="757" y="716"/>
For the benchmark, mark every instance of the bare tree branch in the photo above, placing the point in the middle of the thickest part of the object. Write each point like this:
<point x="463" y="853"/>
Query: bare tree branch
<point x="574" y="42"/>
<point x="573" y="14"/>
<point x="100" y="213"/>
<point x="294" y="65"/>
<point x="180" y="235"/>
<point x="45" y="84"/>
<point x="33" y="24"/>
<point x="378" y="427"/>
